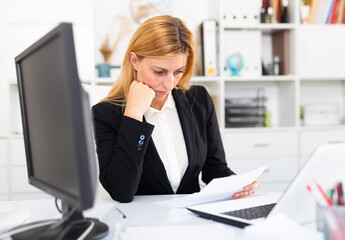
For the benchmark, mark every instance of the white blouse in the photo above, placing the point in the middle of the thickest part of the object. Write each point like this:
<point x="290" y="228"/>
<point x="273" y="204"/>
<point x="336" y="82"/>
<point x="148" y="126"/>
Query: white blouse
<point x="169" y="140"/>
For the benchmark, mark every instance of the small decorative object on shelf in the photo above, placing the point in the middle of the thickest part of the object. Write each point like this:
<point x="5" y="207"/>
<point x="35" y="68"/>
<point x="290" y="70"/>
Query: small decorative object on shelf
<point x="235" y="63"/>
<point x="103" y="70"/>
<point x="142" y="10"/>
<point x="107" y="50"/>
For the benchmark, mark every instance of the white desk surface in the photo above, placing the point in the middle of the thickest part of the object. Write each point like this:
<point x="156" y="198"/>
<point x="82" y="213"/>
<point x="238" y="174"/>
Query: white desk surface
<point x="141" y="211"/>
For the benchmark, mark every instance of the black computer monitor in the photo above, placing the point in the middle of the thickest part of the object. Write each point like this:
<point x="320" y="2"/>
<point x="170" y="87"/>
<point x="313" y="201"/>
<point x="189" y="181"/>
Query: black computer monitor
<point x="58" y="134"/>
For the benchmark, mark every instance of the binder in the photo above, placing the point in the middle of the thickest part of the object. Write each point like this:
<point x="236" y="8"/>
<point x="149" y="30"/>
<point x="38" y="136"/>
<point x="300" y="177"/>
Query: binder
<point x="281" y="48"/>
<point x="241" y="12"/>
<point x="209" y="37"/>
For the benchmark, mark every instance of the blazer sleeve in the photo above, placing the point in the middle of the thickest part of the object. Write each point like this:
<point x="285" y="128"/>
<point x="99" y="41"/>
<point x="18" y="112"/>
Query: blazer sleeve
<point x="215" y="165"/>
<point x="121" y="143"/>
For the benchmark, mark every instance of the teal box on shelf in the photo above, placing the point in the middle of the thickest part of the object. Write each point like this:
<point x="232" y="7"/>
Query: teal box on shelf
<point x="104" y="70"/>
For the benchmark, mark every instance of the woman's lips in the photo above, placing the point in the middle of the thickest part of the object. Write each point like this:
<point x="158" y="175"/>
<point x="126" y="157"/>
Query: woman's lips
<point x="162" y="93"/>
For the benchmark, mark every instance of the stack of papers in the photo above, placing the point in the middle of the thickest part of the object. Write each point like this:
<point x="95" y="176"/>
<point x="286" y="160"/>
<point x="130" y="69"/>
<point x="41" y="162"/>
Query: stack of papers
<point x="177" y="231"/>
<point x="282" y="228"/>
<point x="219" y="189"/>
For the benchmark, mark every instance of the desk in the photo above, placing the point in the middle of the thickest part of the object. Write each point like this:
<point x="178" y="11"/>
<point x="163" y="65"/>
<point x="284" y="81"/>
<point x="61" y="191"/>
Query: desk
<point x="141" y="211"/>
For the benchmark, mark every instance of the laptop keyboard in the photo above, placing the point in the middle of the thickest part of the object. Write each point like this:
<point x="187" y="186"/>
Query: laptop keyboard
<point x="251" y="213"/>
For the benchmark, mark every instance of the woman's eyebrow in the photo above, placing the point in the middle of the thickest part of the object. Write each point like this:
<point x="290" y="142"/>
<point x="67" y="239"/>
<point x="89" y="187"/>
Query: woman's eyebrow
<point x="167" y="69"/>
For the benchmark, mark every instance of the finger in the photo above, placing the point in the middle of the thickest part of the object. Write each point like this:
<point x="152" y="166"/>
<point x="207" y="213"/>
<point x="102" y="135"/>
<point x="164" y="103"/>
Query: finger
<point x="252" y="186"/>
<point x="256" y="185"/>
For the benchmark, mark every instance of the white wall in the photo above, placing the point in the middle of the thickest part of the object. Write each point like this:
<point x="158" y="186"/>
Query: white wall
<point x="21" y="24"/>
<point x="105" y="10"/>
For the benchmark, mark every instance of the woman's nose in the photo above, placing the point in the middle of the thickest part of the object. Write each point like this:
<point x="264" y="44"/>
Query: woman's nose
<point x="169" y="82"/>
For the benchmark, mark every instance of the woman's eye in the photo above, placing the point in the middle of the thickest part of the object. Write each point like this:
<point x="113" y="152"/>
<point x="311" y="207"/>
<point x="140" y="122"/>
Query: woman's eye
<point x="159" y="72"/>
<point x="178" y="72"/>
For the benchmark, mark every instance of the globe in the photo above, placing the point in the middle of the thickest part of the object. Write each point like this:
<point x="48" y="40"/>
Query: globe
<point x="235" y="63"/>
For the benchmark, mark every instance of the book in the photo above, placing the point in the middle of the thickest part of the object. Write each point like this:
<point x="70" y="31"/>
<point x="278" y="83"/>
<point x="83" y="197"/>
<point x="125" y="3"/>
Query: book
<point x="314" y="7"/>
<point x="333" y="13"/>
<point x="323" y="9"/>
<point x="341" y="11"/>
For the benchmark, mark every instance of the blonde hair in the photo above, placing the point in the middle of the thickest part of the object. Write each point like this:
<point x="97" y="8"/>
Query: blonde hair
<point x="160" y="36"/>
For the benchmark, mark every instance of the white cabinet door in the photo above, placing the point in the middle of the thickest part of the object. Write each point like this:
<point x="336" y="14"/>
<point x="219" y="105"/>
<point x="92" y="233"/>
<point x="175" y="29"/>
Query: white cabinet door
<point x="310" y="140"/>
<point x="322" y="51"/>
<point x="253" y="145"/>
<point x="278" y="169"/>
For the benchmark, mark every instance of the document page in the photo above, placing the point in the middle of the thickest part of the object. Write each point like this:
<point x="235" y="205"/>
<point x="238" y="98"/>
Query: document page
<point x="219" y="189"/>
<point x="177" y="231"/>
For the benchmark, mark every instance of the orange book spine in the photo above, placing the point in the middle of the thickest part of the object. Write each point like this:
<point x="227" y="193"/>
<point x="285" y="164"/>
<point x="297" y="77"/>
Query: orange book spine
<point x="341" y="10"/>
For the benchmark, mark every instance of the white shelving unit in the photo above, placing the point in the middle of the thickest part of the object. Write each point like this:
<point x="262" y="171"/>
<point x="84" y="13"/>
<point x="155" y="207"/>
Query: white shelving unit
<point x="285" y="145"/>
<point x="316" y="75"/>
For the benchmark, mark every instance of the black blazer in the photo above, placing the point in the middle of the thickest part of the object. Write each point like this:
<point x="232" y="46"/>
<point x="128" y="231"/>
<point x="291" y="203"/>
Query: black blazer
<point x="129" y="162"/>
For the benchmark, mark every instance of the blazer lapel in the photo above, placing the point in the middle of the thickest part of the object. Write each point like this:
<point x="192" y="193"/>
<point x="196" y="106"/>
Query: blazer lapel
<point x="184" y="110"/>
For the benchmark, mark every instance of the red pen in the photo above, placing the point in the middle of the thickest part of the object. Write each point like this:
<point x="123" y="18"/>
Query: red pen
<point x="323" y="194"/>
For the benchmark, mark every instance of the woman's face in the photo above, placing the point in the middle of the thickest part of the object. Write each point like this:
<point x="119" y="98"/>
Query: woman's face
<point x="161" y="74"/>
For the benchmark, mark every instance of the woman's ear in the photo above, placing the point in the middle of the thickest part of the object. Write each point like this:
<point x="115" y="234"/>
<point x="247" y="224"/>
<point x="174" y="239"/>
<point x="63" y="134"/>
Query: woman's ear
<point x="134" y="60"/>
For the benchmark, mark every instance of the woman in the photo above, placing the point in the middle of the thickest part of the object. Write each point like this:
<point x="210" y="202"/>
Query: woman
<point x="155" y="134"/>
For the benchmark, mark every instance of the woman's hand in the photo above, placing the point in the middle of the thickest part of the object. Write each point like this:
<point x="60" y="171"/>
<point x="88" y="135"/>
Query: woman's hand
<point x="139" y="99"/>
<point x="247" y="191"/>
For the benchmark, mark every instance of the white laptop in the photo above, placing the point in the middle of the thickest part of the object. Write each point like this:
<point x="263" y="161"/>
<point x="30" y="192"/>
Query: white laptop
<point x="326" y="165"/>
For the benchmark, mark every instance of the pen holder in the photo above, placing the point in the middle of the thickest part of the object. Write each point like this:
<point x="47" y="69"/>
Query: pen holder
<point x="331" y="221"/>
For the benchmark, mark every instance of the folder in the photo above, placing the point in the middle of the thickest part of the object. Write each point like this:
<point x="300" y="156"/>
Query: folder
<point x="281" y="48"/>
<point x="241" y="12"/>
<point x="209" y="36"/>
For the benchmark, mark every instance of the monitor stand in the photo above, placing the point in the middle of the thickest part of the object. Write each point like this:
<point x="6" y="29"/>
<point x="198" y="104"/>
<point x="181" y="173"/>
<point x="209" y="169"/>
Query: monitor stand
<point x="74" y="227"/>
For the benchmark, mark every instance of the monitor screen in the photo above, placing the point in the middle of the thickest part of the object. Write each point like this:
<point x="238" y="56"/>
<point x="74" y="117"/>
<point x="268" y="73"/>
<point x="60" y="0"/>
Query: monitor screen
<point x="56" y="121"/>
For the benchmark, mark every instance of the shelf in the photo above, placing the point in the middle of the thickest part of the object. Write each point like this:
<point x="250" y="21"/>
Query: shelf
<point x="310" y="79"/>
<point x="322" y="128"/>
<point x="260" y="79"/>
<point x="321" y="26"/>
<point x="205" y="79"/>
<point x="258" y="129"/>
<point x="104" y="81"/>
<point x="267" y="28"/>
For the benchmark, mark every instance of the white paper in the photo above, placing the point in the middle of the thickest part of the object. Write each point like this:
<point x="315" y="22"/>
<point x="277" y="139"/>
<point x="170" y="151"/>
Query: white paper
<point x="177" y="231"/>
<point x="282" y="228"/>
<point x="219" y="189"/>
